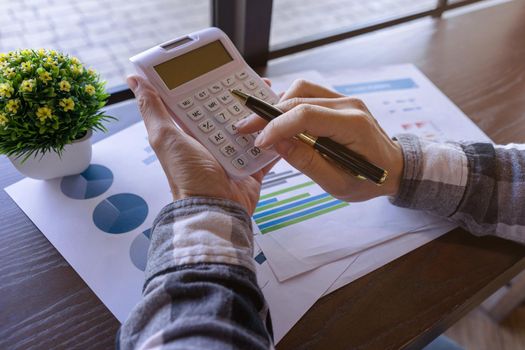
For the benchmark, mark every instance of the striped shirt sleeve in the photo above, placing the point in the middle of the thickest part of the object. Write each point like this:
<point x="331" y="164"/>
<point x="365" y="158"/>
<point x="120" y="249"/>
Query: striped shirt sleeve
<point x="479" y="186"/>
<point x="200" y="289"/>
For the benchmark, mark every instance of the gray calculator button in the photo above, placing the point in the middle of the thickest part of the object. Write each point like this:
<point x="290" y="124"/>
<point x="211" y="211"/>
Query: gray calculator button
<point x="228" y="150"/>
<point x="222" y="117"/>
<point x="240" y="88"/>
<point x="242" y="74"/>
<point x="217" y="137"/>
<point x="235" y="109"/>
<point x="225" y="97"/>
<point x="206" y="126"/>
<point x="254" y="152"/>
<point x="263" y="95"/>
<point x="228" y="81"/>
<point x="186" y="103"/>
<point x="240" y="162"/>
<point x="251" y="84"/>
<point x="195" y="114"/>
<point x="201" y="95"/>
<point x="231" y="129"/>
<point x="214" y="88"/>
<point x="212" y="105"/>
<point x="243" y="140"/>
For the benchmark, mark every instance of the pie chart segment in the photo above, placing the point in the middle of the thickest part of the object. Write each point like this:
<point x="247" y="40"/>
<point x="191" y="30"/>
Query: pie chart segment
<point x="94" y="181"/>
<point x="120" y="213"/>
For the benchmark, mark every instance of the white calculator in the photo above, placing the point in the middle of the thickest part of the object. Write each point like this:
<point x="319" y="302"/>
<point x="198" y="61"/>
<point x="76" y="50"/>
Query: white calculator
<point x="193" y="75"/>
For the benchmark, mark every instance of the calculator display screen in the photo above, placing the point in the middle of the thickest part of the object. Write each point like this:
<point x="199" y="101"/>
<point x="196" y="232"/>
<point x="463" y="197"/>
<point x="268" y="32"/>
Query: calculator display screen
<point x="193" y="64"/>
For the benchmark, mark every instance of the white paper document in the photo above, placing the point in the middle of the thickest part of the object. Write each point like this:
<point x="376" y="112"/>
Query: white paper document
<point x="403" y="100"/>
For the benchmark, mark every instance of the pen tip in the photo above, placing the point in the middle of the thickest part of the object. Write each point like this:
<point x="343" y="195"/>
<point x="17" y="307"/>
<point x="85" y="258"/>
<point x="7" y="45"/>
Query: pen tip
<point x="240" y="95"/>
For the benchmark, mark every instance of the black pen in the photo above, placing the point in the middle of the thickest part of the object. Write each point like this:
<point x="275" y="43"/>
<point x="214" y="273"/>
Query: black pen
<point x="328" y="148"/>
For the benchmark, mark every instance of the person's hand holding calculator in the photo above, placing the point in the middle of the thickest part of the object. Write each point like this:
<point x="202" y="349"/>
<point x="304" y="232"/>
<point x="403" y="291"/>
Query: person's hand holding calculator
<point x="190" y="168"/>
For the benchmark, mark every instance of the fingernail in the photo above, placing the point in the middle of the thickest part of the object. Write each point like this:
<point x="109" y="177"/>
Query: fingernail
<point x="240" y="123"/>
<point x="260" y="141"/>
<point x="132" y="83"/>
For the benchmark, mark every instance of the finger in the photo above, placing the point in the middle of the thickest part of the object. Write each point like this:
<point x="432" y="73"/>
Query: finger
<point x="304" y="88"/>
<point x="317" y="121"/>
<point x="267" y="81"/>
<point x="255" y="123"/>
<point x="308" y="161"/>
<point x="157" y="119"/>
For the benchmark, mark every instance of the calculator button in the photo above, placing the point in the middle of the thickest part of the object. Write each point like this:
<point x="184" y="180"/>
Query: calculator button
<point x="201" y="95"/>
<point x="228" y="150"/>
<point x="187" y="103"/>
<point x="240" y="162"/>
<point x="195" y="114"/>
<point x="230" y="128"/>
<point x="242" y="74"/>
<point x="217" y="137"/>
<point x="235" y="109"/>
<point x="263" y="95"/>
<point x="243" y="140"/>
<point x="228" y="81"/>
<point x="206" y="126"/>
<point x="222" y="117"/>
<point x="240" y="88"/>
<point x="225" y="97"/>
<point x="254" y="152"/>
<point x="251" y="84"/>
<point x="214" y="88"/>
<point x="212" y="105"/>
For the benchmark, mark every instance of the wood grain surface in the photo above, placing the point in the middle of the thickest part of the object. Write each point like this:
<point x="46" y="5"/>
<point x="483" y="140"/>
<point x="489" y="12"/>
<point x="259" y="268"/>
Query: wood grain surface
<point x="477" y="59"/>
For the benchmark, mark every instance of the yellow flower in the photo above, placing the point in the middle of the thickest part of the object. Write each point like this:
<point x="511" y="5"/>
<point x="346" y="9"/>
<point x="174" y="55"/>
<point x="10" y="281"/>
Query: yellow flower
<point x="75" y="61"/>
<point x="9" y="73"/>
<point x="27" y="85"/>
<point x="41" y="52"/>
<point x="44" y="113"/>
<point x="76" y="69"/>
<point x="53" y="52"/>
<point x="90" y="89"/>
<point x="67" y="104"/>
<point x="25" y="52"/>
<point x="6" y="90"/>
<point x="12" y="106"/>
<point x="64" y="85"/>
<point x="3" y="119"/>
<point x="3" y="57"/>
<point x="26" y="66"/>
<point x="50" y="62"/>
<point x="92" y="72"/>
<point x="44" y="76"/>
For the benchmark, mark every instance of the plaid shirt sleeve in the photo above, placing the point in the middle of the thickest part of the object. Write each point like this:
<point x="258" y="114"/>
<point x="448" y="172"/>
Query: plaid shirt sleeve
<point x="200" y="290"/>
<point x="479" y="186"/>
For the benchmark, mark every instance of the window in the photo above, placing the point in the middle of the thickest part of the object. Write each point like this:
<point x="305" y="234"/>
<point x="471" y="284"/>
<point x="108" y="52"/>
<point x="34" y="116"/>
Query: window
<point x="102" y="34"/>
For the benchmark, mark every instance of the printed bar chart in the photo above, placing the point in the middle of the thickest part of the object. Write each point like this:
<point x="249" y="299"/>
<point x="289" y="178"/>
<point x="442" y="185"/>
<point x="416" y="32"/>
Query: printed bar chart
<point x="292" y="205"/>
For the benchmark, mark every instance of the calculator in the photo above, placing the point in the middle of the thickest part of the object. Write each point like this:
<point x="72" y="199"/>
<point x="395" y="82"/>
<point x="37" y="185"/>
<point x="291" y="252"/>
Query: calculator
<point x="193" y="76"/>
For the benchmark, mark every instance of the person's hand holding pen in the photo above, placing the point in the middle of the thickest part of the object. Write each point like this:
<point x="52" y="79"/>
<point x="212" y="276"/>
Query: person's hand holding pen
<point x="318" y="111"/>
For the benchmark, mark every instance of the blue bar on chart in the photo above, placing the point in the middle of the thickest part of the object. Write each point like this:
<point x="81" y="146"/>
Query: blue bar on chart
<point x="375" y="86"/>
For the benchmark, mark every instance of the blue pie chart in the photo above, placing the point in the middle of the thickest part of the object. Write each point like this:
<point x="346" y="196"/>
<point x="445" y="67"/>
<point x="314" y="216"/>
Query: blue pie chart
<point x="94" y="181"/>
<point x="120" y="213"/>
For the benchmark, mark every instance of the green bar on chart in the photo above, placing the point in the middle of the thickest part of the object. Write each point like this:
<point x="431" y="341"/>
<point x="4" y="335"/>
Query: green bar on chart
<point x="293" y="210"/>
<point x="284" y="201"/>
<point x="303" y="218"/>
<point x="288" y="189"/>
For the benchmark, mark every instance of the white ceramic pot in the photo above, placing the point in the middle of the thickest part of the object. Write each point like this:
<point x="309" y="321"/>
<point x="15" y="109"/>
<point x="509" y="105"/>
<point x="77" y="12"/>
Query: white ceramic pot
<point x="75" y="159"/>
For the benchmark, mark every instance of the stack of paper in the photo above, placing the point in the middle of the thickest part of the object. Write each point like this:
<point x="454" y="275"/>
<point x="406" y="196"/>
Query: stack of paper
<point x="308" y="243"/>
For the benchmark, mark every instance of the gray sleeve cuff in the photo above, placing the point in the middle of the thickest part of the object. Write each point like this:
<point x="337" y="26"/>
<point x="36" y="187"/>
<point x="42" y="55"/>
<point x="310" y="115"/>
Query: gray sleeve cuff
<point x="434" y="176"/>
<point x="200" y="230"/>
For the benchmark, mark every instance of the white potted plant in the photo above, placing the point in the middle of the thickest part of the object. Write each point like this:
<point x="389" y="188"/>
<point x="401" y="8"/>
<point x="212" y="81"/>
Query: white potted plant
<point x="49" y="106"/>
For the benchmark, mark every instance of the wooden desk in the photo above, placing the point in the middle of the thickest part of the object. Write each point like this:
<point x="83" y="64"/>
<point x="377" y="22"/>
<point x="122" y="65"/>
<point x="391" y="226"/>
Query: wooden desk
<point x="477" y="59"/>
